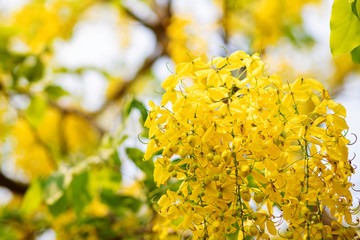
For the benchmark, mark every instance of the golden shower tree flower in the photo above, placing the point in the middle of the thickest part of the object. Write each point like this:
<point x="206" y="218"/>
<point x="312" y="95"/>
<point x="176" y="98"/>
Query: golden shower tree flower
<point x="237" y="138"/>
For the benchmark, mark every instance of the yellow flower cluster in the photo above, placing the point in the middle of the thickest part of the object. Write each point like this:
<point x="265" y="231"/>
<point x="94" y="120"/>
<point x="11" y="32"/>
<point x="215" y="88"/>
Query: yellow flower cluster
<point x="39" y="23"/>
<point x="183" y="34"/>
<point x="242" y="144"/>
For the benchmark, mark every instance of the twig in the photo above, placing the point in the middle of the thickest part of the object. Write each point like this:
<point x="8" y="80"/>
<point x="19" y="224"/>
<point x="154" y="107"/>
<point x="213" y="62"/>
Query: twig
<point x="12" y="185"/>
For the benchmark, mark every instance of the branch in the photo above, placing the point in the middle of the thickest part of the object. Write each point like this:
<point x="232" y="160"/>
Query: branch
<point x="159" y="31"/>
<point x="132" y="15"/>
<point x="12" y="185"/>
<point x="128" y="84"/>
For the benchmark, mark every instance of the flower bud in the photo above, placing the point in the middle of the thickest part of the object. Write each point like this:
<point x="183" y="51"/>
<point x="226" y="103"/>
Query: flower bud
<point x="216" y="177"/>
<point x="174" y="149"/>
<point x="259" y="197"/>
<point x="244" y="189"/>
<point x="253" y="231"/>
<point x="289" y="234"/>
<point x="335" y="225"/>
<point x="222" y="178"/>
<point x="210" y="157"/>
<point x="253" y="217"/>
<point x="319" y="226"/>
<point x="217" y="160"/>
<point x="167" y="153"/>
<point x="244" y="171"/>
<point x="329" y="236"/>
<point x="183" y="153"/>
<point x="208" y="180"/>
<point x="225" y="155"/>
<point x="170" y="168"/>
<point x="246" y="196"/>
<point x="192" y="141"/>
<point x="305" y="212"/>
<point x="216" y="226"/>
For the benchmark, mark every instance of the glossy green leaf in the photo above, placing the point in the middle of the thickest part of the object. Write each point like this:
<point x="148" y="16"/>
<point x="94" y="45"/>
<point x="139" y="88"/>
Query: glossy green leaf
<point x="135" y="104"/>
<point x="32" y="198"/>
<point x="345" y="28"/>
<point x="355" y="54"/>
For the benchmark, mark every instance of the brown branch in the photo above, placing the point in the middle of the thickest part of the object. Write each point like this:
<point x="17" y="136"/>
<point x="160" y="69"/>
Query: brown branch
<point x="144" y="68"/>
<point x="159" y="31"/>
<point x="12" y="185"/>
<point x="128" y="84"/>
<point x="135" y="17"/>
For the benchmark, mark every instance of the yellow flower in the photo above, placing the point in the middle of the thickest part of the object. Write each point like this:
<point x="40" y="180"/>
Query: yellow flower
<point x="235" y="137"/>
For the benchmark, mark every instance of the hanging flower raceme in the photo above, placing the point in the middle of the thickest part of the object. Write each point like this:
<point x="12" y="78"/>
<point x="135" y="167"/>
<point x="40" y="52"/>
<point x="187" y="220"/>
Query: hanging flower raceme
<point x="243" y="143"/>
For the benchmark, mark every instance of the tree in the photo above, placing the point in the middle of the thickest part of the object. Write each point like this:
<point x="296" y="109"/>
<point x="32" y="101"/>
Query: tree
<point x="66" y="165"/>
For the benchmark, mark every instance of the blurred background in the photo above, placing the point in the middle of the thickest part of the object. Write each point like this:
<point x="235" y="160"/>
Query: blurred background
<point x="75" y="79"/>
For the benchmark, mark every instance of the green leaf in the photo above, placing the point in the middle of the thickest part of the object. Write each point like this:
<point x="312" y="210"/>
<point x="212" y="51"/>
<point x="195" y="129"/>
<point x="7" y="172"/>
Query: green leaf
<point x="345" y="28"/>
<point x="36" y="110"/>
<point x="59" y="206"/>
<point x="32" y="68"/>
<point x="78" y="192"/>
<point x="355" y="54"/>
<point x="232" y="236"/>
<point x="175" y="186"/>
<point x="177" y="221"/>
<point x="251" y="182"/>
<point x="55" y="92"/>
<point x="121" y="203"/>
<point x="110" y="178"/>
<point x="138" y="105"/>
<point x="54" y="188"/>
<point x="32" y="198"/>
<point x="355" y="6"/>
<point x="137" y="156"/>
<point x="115" y="158"/>
<point x="7" y="232"/>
